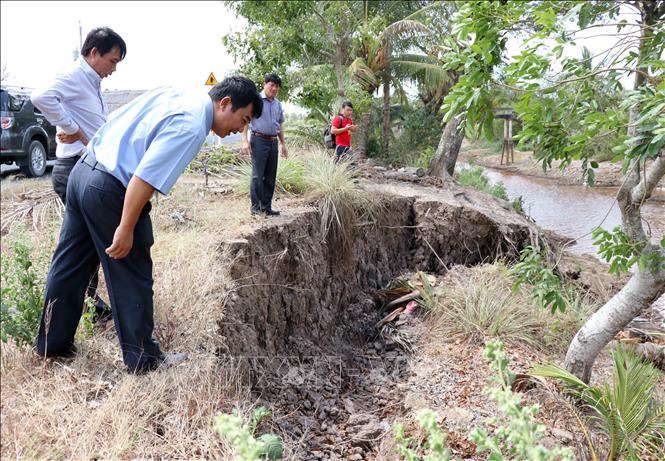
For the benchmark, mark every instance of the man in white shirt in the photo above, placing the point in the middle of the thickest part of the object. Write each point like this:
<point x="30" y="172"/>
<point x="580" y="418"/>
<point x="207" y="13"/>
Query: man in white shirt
<point x="73" y="103"/>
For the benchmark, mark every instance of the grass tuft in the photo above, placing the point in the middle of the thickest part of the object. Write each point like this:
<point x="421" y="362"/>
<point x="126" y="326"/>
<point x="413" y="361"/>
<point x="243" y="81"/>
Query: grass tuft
<point x="477" y="304"/>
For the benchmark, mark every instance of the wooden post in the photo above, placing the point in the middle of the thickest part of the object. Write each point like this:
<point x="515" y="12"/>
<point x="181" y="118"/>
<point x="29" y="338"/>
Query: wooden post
<point x="507" y="147"/>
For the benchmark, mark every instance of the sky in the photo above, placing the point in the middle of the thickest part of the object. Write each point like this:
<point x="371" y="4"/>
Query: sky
<point x="168" y="43"/>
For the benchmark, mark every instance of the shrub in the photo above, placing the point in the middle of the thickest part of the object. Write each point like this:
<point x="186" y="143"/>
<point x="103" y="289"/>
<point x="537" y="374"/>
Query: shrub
<point x="419" y="135"/>
<point x="22" y="289"/>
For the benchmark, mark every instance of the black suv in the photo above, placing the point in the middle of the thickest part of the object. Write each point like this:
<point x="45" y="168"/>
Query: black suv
<point x="27" y="137"/>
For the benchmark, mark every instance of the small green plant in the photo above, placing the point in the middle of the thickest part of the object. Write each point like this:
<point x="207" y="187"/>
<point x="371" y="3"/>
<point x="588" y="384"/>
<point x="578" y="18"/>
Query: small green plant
<point x="475" y="177"/>
<point x="630" y="412"/>
<point x="89" y="311"/>
<point x="241" y="436"/>
<point x="514" y="435"/>
<point x="436" y="439"/>
<point x="518" y="205"/>
<point x="547" y="287"/>
<point x="22" y="290"/>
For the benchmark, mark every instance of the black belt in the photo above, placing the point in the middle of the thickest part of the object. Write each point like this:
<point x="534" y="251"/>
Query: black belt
<point x="93" y="163"/>
<point x="265" y="136"/>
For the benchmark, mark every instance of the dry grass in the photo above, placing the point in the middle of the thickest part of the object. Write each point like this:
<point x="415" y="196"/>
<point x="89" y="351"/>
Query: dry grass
<point x="341" y="202"/>
<point x="477" y="304"/>
<point x="91" y="408"/>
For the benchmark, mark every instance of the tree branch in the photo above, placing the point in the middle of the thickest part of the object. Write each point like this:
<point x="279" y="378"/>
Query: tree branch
<point x="655" y="173"/>
<point x="601" y="71"/>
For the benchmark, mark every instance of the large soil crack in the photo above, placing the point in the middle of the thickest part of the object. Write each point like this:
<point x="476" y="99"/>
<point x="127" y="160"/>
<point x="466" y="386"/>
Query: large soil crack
<point x="301" y="319"/>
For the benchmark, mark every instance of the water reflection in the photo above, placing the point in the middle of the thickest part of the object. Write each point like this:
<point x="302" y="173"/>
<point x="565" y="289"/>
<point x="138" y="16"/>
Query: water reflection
<point x="574" y="210"/>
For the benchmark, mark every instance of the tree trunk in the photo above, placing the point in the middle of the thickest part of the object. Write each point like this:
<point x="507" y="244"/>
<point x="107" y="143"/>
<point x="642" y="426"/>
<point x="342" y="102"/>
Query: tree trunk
<point x="340" y="71"/>
<point x="363" y="137"/>
<point x="610" y="319"/>
<point x="643" y="288"/>
<point x="445" y="158"/>
<point x="385" y="136"/>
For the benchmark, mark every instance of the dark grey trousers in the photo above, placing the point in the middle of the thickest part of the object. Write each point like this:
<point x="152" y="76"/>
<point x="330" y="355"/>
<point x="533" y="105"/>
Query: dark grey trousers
<point x="60" y="178"/>
<point x="94" y="207"/>
<point x="264" y="172"/>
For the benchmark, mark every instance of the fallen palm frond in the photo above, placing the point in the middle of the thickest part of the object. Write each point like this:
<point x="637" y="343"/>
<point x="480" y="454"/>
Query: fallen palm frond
<point x="40" y="206"/>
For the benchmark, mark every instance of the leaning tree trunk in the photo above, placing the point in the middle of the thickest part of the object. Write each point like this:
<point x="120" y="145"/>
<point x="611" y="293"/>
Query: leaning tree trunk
<point x="445" y="158"/>
<point x="643" y="287"/>
<point x="640" y="291"/>
<point x="385" y="135"/>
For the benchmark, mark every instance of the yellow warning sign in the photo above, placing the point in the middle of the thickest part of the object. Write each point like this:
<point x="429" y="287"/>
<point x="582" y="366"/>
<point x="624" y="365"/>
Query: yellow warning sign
<point x="211" y="80"/>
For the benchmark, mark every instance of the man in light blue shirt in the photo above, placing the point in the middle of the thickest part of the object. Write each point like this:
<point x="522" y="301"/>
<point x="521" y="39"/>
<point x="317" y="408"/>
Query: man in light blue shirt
<point x="142" y="148"/>
<point x="73" y="103"/>
<point x="266" y="129"/>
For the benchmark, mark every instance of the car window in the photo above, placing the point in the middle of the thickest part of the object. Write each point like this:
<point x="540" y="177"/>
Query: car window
<point x="12" y="102"/>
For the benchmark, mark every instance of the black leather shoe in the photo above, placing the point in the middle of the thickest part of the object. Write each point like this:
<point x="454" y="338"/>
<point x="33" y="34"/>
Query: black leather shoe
<point x="168" y="359"/>
<point x="271" y="212"/>
<point x="255" y="212"/>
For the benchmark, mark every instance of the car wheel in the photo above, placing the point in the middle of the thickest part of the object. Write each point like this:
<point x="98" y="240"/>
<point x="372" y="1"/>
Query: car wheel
<point x="36" y="160"/>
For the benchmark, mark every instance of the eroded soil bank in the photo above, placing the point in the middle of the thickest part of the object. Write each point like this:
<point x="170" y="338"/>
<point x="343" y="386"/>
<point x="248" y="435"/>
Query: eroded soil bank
<point x="301" y="312"/>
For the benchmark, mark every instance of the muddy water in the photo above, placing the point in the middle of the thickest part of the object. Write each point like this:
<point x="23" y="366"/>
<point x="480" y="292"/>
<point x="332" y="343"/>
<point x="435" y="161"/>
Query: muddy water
<point x="573" y="211"/>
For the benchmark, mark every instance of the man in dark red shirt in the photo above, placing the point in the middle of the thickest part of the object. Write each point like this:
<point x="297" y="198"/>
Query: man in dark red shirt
<point x="341" y="127"/>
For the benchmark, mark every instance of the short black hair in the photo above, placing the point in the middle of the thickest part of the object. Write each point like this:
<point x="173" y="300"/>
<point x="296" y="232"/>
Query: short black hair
<point x="273" y="77"/>
<point x="242" y="92"/>
<point x="104" y="39"/>
<point x="347" y="104"/>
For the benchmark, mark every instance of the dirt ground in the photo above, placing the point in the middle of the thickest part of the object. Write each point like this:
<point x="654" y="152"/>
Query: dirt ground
<point x="330" y="400"/>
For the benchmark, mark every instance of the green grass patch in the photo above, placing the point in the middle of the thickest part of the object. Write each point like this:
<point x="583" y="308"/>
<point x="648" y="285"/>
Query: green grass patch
<point x="475" y="177"/>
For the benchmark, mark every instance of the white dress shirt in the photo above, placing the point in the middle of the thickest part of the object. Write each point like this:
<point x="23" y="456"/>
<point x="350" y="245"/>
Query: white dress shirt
<point x="71" y="101"/>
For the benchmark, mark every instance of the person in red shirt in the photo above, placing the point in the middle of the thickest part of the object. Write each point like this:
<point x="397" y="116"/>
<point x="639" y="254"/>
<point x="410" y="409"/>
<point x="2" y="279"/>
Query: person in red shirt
<point x="341" y="127"/>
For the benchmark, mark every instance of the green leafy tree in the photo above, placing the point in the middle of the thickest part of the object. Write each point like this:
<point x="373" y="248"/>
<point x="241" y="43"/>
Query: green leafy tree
<point x="302" y="38"/>
<point x="562" y="115"/>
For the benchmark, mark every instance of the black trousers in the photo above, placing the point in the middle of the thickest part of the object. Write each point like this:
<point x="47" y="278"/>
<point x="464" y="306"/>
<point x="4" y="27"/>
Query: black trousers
<point x="60" y="178"/>
<point x="264" y="172"/>
<point x="92" y="214"/>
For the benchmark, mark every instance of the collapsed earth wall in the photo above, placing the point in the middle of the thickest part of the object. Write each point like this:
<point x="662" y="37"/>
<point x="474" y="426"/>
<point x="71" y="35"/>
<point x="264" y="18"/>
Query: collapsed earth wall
<point x="290" y="288"/>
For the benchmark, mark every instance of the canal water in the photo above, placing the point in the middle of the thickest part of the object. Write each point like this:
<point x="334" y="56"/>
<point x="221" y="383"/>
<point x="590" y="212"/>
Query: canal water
<point x="573" y="211"/>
